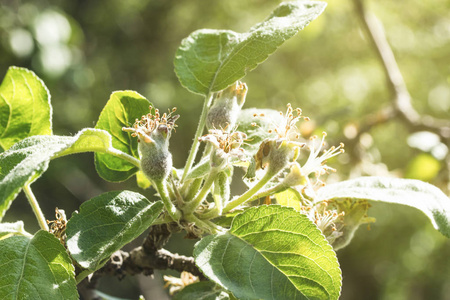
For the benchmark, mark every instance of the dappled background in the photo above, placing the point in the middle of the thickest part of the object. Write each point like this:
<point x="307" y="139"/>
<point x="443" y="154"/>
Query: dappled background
<point x="84" y="50"/>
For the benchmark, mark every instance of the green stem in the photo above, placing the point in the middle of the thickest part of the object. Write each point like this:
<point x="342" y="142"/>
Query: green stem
<point x="192" y="187"/>
<point x="191" y="206"/>
<point x="35" y="206"/>
<point x="203" y="224"/>
<point x="211" y="214"/>
<point x="176" y="191"/>
<point x="111" y="151"/>
<point x="270" y="191"/>
<point x="248" y="194"/>
<point x="218" y="201"/>
<point x="207" y="150"/>
<point x="198" y="133"/>
<point x="163" y="220"/>
<point x="82" y="275"/>
<point x="131" y="159"/>
<point x="170" y="207"/>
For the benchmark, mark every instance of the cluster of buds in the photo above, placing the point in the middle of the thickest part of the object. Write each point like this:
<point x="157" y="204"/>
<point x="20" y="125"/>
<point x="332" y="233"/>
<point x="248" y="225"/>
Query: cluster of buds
<point x="337" y="219"/>
<point x="277" y="153"/>
<point x="153" y="132"/>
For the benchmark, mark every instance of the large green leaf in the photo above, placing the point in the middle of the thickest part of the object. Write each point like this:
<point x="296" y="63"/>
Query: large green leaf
<point x="122" y="110"/>
<point x="25" y="161"/>
<point x="106" y="223"/>
<point x="37" y="268"/>
<point x="415" y="193"/>
<point x="25" y="108"/>
<point x="204" y="290"/>
<point x="210" y="60"/>
<point x="271" y="252"/>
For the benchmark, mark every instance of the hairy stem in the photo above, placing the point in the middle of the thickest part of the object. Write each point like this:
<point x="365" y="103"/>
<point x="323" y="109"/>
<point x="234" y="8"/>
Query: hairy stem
<point x="203" y="224"/>
<point x="198" y="133"/>
<point x="170" y="207"/>
<point x="247" y="196"/>
<point x="191" y="206"/>
<point x="111" y="151"/>
<point x="191" y="187"/>
<point x="124" y="156"/>
<point x="176" y="191"/>
<point x="35" y="206"/>
<point x="270" y="191"/>
<point x="211" y="214"/>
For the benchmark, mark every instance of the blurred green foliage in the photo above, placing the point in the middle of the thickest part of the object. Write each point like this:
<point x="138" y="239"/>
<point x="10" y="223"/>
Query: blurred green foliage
<point x="84" y="50"/>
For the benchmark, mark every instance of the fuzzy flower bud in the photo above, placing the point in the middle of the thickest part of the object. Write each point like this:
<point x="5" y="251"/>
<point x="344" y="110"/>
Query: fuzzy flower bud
<point x="354" y="214"/>
<point x="227" y="105"/>
<point x="338" y="219"/>
<point x="299" y="176"/>
<point x="226" y="147"/>
<point x="278" y="153"/>
<point x="153" y="132"/>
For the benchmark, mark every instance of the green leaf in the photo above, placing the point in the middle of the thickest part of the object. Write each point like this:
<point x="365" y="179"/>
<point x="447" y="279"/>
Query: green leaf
<point x="25" y="108"/>
<point x="415" y="193"/>
<point x="37" y="268"/>
<point x="25" y="161"/>
<point x="210" y="60"/>
<point x="204" y="290"/>
<point x="11" y="229"/>
<point x="106" y="223"/>
<point x="122" y="110"/>
<point x="271" y="252"/>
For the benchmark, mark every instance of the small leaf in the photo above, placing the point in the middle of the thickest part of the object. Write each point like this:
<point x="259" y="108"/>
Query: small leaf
<point x="25" y="161"/>
<point x="122" y="110"/>
<point x="25" y="108"/>
<point x="11" y="229"/>
<point x="415" y="193"/>
<point x="37" y="268"/>
<point x="210" y="60"/>
<point x="271" y="252"/>
<point x="204" y="290"/>
<point x="106" y="223"/>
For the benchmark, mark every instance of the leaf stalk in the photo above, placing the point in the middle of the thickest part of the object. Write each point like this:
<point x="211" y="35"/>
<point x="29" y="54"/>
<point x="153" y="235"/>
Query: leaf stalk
<point x="247" y="196"/>
<point x="198" y="133"/>
<point x="35" y="206"/>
